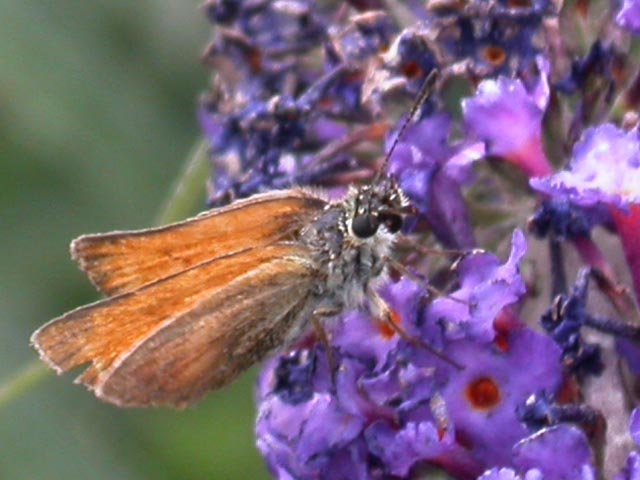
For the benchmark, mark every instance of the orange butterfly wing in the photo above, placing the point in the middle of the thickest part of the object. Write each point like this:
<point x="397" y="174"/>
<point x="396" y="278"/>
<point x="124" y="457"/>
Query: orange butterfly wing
<point x="173" y="339"/>
<point x="211" y="344"/>
<point x="120" y="262"/>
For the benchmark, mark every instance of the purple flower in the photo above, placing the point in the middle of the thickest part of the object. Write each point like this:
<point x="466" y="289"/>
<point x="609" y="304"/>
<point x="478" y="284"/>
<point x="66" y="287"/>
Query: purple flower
<point x="396" y="406"/>
<point x="629" y="16"/>
<point x="631" y="470"/>
<point x="483" y="398"/>
<point x="538" y="457"/>
<point x="541" y="451"/>
<point x="273" y="143"/>
<point x="402" y="449"/>
<point x="605" y="170"/>
<point x="272" y="115"/>
<point x="378" y="401"/>
<point x="432" y="172"/>
<point x="634" y="425"/>
<point x="409" y="59"/>
<point x="563" y="322"/>
<point x="486" y="288"/>
<point x="564" y="220"/>
<point x="317" y="425"/>
<point x="306" y="93"/>
<point x="509" y="474"/>
<point x="264" y="29"/>
<point x="367" y="34"/>
<point x="543" y="410"/>
<point x="283" y="68"/>
<point x="489" y="38"/>
<point x="508" y="119"/>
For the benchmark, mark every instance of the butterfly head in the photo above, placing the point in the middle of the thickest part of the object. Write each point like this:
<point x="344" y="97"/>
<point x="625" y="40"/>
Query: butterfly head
<point x="380" y="205"/>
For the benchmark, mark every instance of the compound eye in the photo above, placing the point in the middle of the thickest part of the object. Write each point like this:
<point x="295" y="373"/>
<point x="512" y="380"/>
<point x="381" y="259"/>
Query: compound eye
<point x="392" y="221"/>
<point x="365" y="226"/>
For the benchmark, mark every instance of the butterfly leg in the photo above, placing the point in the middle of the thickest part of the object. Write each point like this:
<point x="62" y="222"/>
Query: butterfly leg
<point x="386" y="316"/>
<point x="411" y="243"/>
<point x="420" y="281"/>
<point x="321" y="332"/>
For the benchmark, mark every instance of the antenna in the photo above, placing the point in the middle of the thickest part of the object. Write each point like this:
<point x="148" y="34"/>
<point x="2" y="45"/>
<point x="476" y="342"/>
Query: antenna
<point x="425" y="91"/>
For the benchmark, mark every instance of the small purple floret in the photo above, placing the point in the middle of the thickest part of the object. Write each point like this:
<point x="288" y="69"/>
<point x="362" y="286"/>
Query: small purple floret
<point x="432" y="171"/>
<point x="509" y="474"/>
<point x="631" y="470"/>
<point x="629" y="16"/>
<point x="508" y="119"/>
<point x="604" y="168"/>
<point x="634" y="425"/>
<point x="543" y="450"/>
<point x="486" y="287"/>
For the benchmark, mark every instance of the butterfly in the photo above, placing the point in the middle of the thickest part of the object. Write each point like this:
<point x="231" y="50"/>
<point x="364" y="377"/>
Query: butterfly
<point x="191" y="305"/>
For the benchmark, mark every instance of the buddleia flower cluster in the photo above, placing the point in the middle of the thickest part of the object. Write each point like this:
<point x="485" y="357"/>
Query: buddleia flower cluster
<point x="521" y="265"/>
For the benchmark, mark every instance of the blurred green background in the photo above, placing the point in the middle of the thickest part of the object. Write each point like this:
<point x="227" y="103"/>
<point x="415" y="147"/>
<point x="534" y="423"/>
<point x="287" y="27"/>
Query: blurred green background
<point x="97" y="116"/>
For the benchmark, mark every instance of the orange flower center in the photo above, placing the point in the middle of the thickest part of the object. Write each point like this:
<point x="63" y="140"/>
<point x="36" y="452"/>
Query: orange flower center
<point x="411" y="70"/>
<point x="483" y="394"/>
<point x="387" y="331"/>
<point x="495" y="55"/>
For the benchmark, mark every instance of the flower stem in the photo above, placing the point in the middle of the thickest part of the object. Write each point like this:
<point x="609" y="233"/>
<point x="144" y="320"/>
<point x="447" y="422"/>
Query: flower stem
<point x="28" y="376"/>
<point x="185" y="197"/>
<point x="187" y="193"/>
<point x="614" y="327"/>
<point x="558" y="274"/>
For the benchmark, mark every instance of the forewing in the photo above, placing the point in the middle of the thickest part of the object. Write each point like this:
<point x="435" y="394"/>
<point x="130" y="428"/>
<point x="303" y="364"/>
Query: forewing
<point x="120" y="262"/>
<point x="211" y="344"/>
<point x="107" y="330"/>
